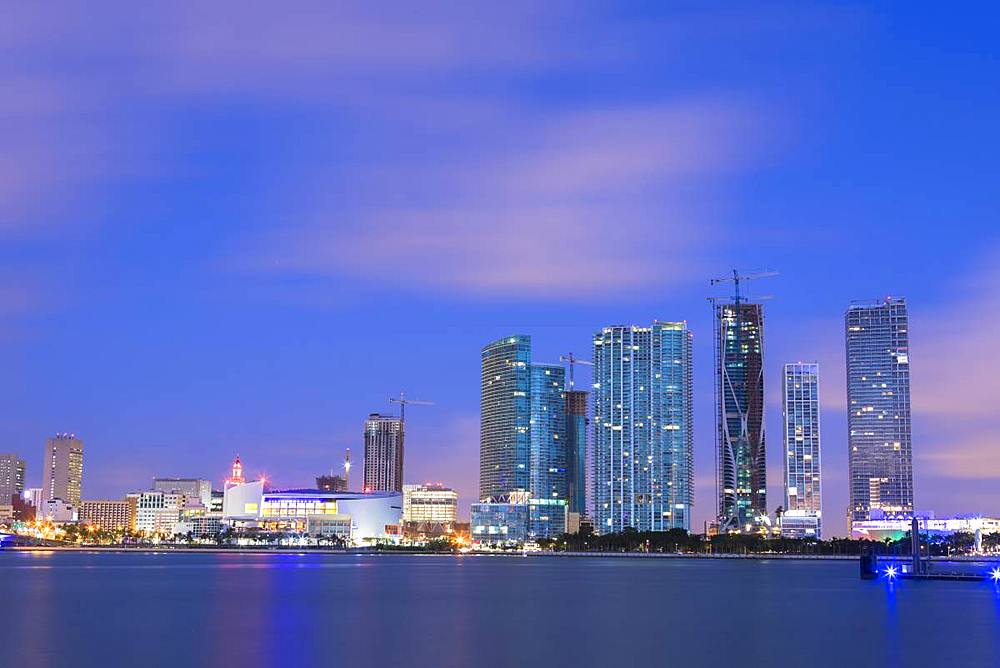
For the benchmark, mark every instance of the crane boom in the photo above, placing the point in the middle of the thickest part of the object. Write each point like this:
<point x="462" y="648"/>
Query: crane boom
<point x="573" y="360"/>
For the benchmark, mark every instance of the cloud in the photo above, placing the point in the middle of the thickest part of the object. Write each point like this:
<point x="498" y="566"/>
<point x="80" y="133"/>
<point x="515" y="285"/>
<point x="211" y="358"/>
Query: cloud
<point x="596" y="200"/>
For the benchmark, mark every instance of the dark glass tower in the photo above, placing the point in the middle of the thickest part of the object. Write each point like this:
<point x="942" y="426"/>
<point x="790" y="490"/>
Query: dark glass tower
<point x="576" y="450"/>
<point x="741" y="462"/>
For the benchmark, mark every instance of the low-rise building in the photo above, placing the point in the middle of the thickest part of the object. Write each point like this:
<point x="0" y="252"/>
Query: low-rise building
<point x="501" y="521"/>
<point x="56" y="511"/>
<point x="109" y="514"/>
<point x="800" y="524"/>
<point x="330" y="526"/>
<point x="194" y="489"/>
<point x="895" y="527"/>
<point x="432" y="503"/>
<point x="374" y="516"/>
<point x="158" y="512"/>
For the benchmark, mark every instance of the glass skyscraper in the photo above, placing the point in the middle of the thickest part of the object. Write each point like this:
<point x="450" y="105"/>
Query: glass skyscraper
<point x="505" y="417"/>
<point x="643" y="428"/>
<point x="741" y="462"/>
<point x="800" y="413"/>
<point x="576" y="449"/>
<point x="880" y="456"/>
<point x="523" y="444"/>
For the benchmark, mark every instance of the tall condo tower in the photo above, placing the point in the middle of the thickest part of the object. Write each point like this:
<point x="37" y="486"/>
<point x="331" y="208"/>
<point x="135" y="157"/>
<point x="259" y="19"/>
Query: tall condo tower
<point x="62" y="472"/>
<point x="548" y="460"/>
<point x="505" y="417"/>
<point x="383" y="453"/>
<point x="576" y="450"/>
<point x="11" y="477"/>
<point x="741" y="463"/>
<point x="800" y="413"/>
<point x="880" y="456"/>
<point x="643" y="428"/>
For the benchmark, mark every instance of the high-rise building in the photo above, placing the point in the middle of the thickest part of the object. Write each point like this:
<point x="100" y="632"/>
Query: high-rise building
<point x="383" y="453"/>
<point x="800" y="411"/>
<point x="194" y="489"/>
<point x="880" y="456"/>
<point x="547" y="403"/>
<point x="12" y="471"/>
<point x="741" y="460"/>
<point x="435" y="504"/>
<point x="643" y="428"/>
<point x="505" y="416"/>
<point x="576" y="450"/>
<point x="523" y="444"/>
<point x="62" y="470"/>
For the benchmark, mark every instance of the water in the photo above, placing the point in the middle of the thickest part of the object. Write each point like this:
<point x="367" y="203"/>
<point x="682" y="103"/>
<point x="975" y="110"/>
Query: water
<point x="186" y="610"/>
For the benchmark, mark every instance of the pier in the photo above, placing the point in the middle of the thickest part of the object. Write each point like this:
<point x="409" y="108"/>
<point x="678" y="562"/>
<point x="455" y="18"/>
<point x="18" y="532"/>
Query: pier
<point x="919" y="567"/>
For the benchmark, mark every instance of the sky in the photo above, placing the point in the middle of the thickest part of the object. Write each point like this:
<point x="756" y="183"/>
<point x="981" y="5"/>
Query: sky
<point x="237" y="229"/>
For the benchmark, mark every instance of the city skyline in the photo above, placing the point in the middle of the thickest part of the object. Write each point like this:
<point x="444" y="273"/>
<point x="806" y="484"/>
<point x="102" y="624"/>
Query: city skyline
<point x="190" y="251"/>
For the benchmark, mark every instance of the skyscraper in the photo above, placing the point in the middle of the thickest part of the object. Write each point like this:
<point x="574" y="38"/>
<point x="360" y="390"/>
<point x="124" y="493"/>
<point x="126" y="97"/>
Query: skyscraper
<point x="523" y="445"/>
<point x="643" y="427"/>
<point x="741" y="463"/>
<point x="12" y="472"/>
<point x="576" y="450"/>
<point x="505" y="416"/>
<point x="880" y="457"/>
<point x="547" y="477"/>
<point x="800" y="412"/>
<point x="63" y="468"/>
<point x="383" y="453"/>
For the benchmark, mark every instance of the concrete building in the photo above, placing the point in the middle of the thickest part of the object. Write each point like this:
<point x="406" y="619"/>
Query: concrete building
<point x="109" y="514"/>
<point x="643" y="428"/>
<point x="430" y="503"/>
<point x="383" y="453"/>
<point x="880" y="455"/>
<point x="62" y="469"/>
<point x="374" y="516"/>
<point x="192" y="488"/>
<point x="12" y="472"/>
<point x="803" y="514"/>
<point x="56" y="511"/>
<point x="158" y="512"/>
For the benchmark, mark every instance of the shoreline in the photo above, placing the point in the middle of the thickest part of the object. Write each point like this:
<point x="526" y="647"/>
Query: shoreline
<point x="117" y="549"/>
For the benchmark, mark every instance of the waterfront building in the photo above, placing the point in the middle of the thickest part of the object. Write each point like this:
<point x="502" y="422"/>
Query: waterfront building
<point x="802" y="515"/>
<point x="430" y="503"/>
<point x="109" y="514"/>
<point x="547" y="518"/>
<point x="374" y="516"/>
<point x="34" y="496"/>
<point x="739" y="391"/>
<point x="383" y="453"/>
<point x="56" y="511"/>
<point x="202" y="525"/>
<point x="643" y="428"/>
<point x="158" y="512"/>
<point x="547" y="432"/>
<point x="62" y="469"/>
<point x="12" y="472"/>
<point x="502" y="521"/>
<point x="576" y="450"/>
<point x="505" y="416"/>
<point x="192" y="488"/>
<point x="330" y="526"/>
<point x="880" y="457"/>
<point x="896" y="526"/>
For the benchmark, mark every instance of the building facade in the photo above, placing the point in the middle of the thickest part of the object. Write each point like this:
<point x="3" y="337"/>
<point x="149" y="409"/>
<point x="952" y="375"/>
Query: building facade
<point x="194" y="489"/>
<point x="62" y="469"/>
<point x="383" y="453"/>
<point x="12" y="472"/>
<point x="158" y="512"/>
<point x="577" y="421"/>
<point x="500" y="522"/>
<point x="435" y="504"/>
<point x="801" y="431"/>
<point x="643" y="428"/>
<point x="505" y="416"/>
<point x="110" y="515"/>
<point x="741" y="459"/>
<point x="547" y="431"/>
<point x="880" y="456"/>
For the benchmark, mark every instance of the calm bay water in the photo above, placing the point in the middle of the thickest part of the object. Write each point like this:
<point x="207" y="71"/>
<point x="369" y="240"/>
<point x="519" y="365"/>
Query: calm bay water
<point x="183" y="610"/>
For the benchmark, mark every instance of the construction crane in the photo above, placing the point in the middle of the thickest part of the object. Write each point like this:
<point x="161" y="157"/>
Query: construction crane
<point x="737" y="278"/>
<point x="572" y="360"/>
<point x="403" y="403"/>
<point x="347" y="470"/>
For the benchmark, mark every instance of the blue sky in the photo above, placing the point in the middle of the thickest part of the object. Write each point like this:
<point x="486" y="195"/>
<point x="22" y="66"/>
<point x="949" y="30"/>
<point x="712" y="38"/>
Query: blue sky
<point x="233" y="229"/>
